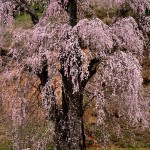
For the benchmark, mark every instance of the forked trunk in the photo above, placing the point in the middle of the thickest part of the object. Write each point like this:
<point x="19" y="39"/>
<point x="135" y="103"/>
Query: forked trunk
<point x="69" y="126"/>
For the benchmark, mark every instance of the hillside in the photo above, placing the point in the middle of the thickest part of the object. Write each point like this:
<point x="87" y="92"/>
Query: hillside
<point x="104" y="57"/>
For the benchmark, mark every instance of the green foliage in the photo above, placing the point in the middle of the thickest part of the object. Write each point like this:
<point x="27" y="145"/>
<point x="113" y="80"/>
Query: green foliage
<point x="38" y="7"/>
<point x="23" y="20"/>
<point x="6" y="146"/>
<point x="147" y="12"/>
<point x="21" y="16"/>
<point x="51" y="147"/>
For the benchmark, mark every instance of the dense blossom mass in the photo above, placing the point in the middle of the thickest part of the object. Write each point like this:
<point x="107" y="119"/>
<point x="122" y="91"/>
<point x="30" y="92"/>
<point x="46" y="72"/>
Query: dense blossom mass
<point x="101" y="41"/>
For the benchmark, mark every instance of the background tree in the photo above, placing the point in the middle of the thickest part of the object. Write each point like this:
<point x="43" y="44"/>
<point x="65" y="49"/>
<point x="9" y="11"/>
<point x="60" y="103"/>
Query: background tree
<point x="24" y="6"/>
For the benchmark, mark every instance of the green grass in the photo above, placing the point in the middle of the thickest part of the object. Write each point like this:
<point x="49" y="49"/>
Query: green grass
<point x="115" y="148"/>
<point x="23" y="20"/>
<point x="51" y="148"/>
<point x="6" y="146"/>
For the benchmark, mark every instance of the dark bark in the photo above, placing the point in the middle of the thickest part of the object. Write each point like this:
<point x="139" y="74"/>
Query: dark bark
<point x="92" y="70"/>
<point x="71" y="9"/>
<point x="33" y="15"/>
<point x="69" y="125"/>
<point x="43" y="75"/>
<point x="4" y="52"/>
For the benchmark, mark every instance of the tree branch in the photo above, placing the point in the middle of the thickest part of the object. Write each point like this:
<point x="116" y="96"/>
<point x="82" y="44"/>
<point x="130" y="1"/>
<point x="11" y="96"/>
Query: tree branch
<point x="71" y="8"/>
<point x="25" y="6"/>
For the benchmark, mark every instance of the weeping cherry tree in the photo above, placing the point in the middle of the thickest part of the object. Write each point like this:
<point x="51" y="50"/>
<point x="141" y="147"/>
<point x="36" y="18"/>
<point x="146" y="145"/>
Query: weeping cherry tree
<point x="74" y="53"/>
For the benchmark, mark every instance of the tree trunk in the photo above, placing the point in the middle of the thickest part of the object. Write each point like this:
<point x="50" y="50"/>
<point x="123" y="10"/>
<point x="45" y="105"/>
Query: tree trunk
<point x="71" y="8"/>
<point x="72" y="11"/>
<point x="69" y="125"/>
<point x="34" y="16"/>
